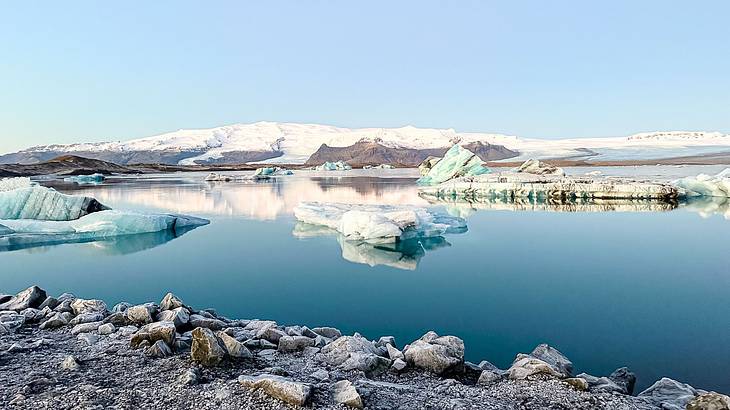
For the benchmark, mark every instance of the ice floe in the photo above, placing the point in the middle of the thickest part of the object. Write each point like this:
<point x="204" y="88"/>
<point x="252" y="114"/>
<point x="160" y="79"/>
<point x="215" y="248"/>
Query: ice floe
<point x="333" y="166"/>
<point x="533" y="166"/>
<point x="457" y="162"/>
<point x="381" y="166"/>
<point x="707" y="185"/>
<point x="86" y="179"/>
<point x="22" y="199"/>
<point x="378" y="223"/>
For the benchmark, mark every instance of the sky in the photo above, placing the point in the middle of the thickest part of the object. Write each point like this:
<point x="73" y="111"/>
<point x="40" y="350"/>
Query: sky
<point x="93" y="71"/>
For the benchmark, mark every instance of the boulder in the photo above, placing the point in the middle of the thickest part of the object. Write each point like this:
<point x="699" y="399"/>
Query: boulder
<point x="205" y="348"/>
<point x="394" y="353"/>
<point x="354" y="352"/>
<point x="525" y="366"/>
<point x="118" y="319"/>
<point x="29" y="298"/>
<point x="170" y="302"/>
<point x="710" y="401"/>
<point x="106" y="329"/>
<point x="85" y="327"/>
<point x="11" y="320"/>
<point x="57" y="320"/>
<point x="159" y="349"/>
<point x="328" y="332"/>
<point x="669" y="394"/>
<point x="80" y="306"/>
<point x="399" y="365"/>
<point x="488" y="377"/>
<point x="320" y="375"/>
<point x="385" y="340"/>
<point x="436" y="354"/>
<point x="153" y="332"/>
<point x="121" y="307"/>
<point x="198" y="320"/>
<point x="270" y="334"/>
<point x="179" y="316"/>
<point x="50" y="302"/>
<point x="290" y="344"/>
<point x="70" y="363"/>
<point x="624" y="378"/>
<point x="233" y="347"/>
<point x="601" y="384"/>
<point x="578" y="383"/>
<point x="141" y="314"/>
<point x="64" y="306"/>
<point x="87" y="318"/>
<point x="343" y="392"/>
<point x="281" y="388"/>
<point x="554" y="358"/>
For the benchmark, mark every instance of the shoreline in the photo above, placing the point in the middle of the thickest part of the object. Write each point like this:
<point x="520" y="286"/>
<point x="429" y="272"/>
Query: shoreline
<point x="67" y="352"/>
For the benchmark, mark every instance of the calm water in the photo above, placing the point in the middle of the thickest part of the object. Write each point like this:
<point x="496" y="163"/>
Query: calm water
<point x="648" y="290"/>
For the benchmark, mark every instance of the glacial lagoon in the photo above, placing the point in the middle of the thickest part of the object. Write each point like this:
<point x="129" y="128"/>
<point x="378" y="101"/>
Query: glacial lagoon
<point x="629" y="284"/>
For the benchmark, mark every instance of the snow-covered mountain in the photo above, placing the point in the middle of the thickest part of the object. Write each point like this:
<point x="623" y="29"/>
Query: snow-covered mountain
<point x="294" y="143"/>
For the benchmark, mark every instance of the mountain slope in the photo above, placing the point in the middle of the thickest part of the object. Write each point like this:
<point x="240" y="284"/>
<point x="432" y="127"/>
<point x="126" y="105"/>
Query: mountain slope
<point x="65" y="165"/>
<point x="295" y="143"/>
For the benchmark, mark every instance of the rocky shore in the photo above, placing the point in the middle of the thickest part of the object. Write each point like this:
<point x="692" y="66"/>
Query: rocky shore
<point x="66" y="352"/>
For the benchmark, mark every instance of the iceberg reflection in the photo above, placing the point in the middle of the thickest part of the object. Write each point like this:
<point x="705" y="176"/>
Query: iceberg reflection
<point x="401" y="255"/>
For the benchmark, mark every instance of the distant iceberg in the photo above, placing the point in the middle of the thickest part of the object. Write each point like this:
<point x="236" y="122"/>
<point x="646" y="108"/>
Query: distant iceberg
<point x="457" y="162"/>
<point x="22" y="199"/>
<point x="707" y="185"/>
<point x="333" y="166"/>
<point x="86" y="179"/>
<point x="378" y="223"/>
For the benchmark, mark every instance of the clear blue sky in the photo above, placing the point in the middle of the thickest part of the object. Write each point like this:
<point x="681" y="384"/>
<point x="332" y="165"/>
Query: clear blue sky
<point x="97" y="70"/>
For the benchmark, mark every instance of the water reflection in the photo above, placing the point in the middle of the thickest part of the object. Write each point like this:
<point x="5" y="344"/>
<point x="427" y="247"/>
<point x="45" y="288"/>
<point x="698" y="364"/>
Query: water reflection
<point x="401" y="255"/>
<point x="118" y="245"/>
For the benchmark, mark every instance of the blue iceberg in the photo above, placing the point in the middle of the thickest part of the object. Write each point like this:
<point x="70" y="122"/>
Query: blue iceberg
<point x="333" y="166"/>
<point x="92" y="179"/>
<point x="457" y="162"/>
<point x="21" y="199"/>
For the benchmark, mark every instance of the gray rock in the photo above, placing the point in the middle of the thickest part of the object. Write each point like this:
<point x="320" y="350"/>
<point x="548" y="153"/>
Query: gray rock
<point x="321" y="341"/>
<point x="80" y="306"/>
<point x="205" y="348"/>
<point x="87" y="318"/>
<point x="64" y="306"/>
<point x="311" y="351"/>
<point x="554" y="358"/>
<point x="66" y="297"/>
<point x="399" y="365"/>
<point x="127" y="330"/>
<point x="86" y="327"/>
<point x="485" y="365"/>
<point x="233" y="347"/>
<point x="70" y="363"/>
<point x="385" y="340"/>
<point x="11" y="319"/>
<point x="29" y="298"/>
<point x="206" y="322"/>
<point x="179" y="316"/>
<point x="190" y="377"/>
<point x="106" y="329"/>
<point x="394" y="353"/>
<point x="488" y="377"/>
<point x="525" y="366"/>
<point x="577" y="383"/>
<point x="183" y="341"/>
<point x="321" y="375"/>
<point x="153" y="332"/>
<point x="601" y="384"/>
<point x="159" y="349"/>
<point x="57" y="320"/>
<point x="343" y="392"/>
<point x="669" y="394"/>
<point x="170" y="302"/>
<point x="624" y="378"/>
<point x="50" y="302"/>
<point x="293" y="330"/>
<point x="4" y="298"/>
<point x="121" y="307"/>
<point x="354" y="353"/>
<point x="118" y="319"/>
<point x="308" y="332"/>
<point x="290" y="344"/>
<point x="88" y="338"/>
<point x="141" y="314"/>
<point x="32" y="315"/>
<point x="328" y="332"/>
<point x="436" y="354"/>
<point x="281" y="388"/>
<point x="271" y="334"/>
<point x="710" y="401"/>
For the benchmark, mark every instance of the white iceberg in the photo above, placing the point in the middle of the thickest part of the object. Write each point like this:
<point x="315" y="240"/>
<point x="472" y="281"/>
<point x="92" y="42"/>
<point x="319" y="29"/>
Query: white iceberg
<point x="333" y="166"/>
<point x="21" y="199"/>
<point x="381" y="166"/>
<point x="535" y="167"/>
<point x="96" y="226"/>
<point x="86" y="179"/>
<point x="378" y="223"/>
<point x="457" y="162"/>
<point x="707" y="185"/>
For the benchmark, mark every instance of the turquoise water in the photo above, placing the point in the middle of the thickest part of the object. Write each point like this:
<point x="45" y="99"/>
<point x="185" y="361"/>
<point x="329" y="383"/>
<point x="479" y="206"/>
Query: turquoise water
<point x="648" y="290"/>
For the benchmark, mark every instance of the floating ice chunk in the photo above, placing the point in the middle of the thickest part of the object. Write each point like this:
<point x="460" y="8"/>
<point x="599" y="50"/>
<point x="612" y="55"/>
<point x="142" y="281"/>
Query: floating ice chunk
<point x="96" y="226"/>
<point x="381" y="166"/>
<point x="333" y="166"/>
<point x="378" y="223"/>
<point x="28" y="201"/>
<point x="533" y="166"/>
<point x="457" y="162"/>
<point x="707" y="185"/>
<point x="86" y="179"/>
<point x="272" y="171"/>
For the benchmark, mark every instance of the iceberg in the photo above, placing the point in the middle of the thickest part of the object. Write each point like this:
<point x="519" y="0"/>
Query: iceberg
<point x="21" y="199"/>
<point x="86" y="179"/>
<point x="23" y="233"/>
<point x="707" y="185"/>
<point x="458" y="162"/>
<point x="535" y="167"/>
<point x="381" y="166"/>
<point x="333" y="166"/>
<point x="378" y="223"/>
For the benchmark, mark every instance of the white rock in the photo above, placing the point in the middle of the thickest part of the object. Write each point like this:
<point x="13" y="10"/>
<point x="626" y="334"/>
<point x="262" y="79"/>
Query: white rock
<point x="343" y="392"/>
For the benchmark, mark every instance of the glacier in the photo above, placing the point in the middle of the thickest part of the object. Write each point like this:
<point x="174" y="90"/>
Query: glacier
<point x="457" y="162"/>
<point x="22" y="199"/>
<point x="378" y="223"/>
<point x="707" y="185"/>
